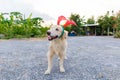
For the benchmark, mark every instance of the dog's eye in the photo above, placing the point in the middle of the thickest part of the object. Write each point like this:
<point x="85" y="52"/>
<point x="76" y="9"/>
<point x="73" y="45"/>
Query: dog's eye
<point x="57" y="29"/>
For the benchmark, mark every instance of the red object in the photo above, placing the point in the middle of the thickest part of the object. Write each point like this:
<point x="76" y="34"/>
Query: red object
<point x="69" y="22"/>
<point x="60" y="18"/>
<point x="64" y="22"/>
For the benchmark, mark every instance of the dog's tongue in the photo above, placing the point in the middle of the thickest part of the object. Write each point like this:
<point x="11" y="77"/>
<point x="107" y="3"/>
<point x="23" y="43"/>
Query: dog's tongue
<point x="49" y="37"/>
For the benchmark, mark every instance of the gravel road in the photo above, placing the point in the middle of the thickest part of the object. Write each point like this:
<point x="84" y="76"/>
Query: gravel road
<point x="89" y="58"/>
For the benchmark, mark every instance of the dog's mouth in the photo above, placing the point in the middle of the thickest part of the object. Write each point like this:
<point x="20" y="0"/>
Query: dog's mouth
<point x="52" y="37"/>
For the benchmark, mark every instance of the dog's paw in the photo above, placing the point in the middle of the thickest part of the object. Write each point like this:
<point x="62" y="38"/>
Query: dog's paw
<point x="58" y="58"/>
<point x="66" y="57"/>
<point x="62" y="70"/>
<point x="47" y="72"/>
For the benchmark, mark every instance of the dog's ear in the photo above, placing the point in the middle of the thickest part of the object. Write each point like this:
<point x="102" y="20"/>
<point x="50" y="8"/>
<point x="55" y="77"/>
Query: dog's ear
<point x="65" y="35"/>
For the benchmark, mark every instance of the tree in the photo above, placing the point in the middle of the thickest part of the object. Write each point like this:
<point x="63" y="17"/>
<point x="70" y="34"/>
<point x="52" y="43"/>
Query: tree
<point x="37" y="20"/>
<point x="117" y="25"/>
<point x="117" y="21"/>
<point x="91" y="20"/>
<point x="14" y="26"/>
<point x="106" y="22"/>
<point x="17" y="16"/>
<point x="1" y="17"/>
<point x="76" y="18"/>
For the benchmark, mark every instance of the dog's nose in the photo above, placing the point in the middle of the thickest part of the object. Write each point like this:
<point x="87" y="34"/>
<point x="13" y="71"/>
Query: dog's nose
<point x="48" y="32"/>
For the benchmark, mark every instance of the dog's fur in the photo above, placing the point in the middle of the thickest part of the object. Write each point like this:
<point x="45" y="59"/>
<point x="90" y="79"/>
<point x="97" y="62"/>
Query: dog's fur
<point x="57" y="46"/>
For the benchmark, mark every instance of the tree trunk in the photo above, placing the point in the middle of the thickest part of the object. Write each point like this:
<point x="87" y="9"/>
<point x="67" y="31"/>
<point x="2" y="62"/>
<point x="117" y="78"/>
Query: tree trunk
<point x="108" y="31"/>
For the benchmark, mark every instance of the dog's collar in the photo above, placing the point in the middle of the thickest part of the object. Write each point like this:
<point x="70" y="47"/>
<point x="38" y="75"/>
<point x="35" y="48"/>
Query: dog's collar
<point x="62" y="32"/>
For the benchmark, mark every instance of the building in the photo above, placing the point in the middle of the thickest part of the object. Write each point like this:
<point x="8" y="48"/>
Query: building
<point x="91" y="29"/>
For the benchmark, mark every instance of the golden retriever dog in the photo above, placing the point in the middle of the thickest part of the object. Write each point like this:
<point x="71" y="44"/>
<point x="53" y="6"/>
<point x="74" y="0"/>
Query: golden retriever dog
<point x="58" y="43"/>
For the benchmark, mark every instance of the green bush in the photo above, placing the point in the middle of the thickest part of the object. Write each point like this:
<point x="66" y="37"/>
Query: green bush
<point x="22" y="31"/>
<point x="43" y="31"/>
<point x="18" y="27"/>
<point x="117" y="34"/>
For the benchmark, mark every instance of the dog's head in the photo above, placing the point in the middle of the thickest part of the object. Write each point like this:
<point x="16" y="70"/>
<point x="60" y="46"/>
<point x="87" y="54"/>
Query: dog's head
<point x="56" y="31"/>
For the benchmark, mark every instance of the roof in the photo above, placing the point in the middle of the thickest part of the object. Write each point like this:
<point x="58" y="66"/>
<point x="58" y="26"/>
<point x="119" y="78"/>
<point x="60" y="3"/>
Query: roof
<point x="91" y="24"/>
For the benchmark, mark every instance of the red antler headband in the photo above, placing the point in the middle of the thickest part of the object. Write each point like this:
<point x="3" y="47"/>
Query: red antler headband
<point x="64" y="22"/>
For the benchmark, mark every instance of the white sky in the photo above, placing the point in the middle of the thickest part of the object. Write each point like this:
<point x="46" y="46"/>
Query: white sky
<point x="51" y="9"/>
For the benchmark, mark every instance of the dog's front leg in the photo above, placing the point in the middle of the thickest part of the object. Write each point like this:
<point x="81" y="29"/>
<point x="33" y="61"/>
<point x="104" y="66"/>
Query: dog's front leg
<point x="49" y="57"/>
<point x="61" y="63"/>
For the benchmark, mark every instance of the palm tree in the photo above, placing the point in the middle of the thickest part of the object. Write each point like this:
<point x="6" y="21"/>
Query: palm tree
<point x="36" y="21"/>
<point x="17" y="16"/>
